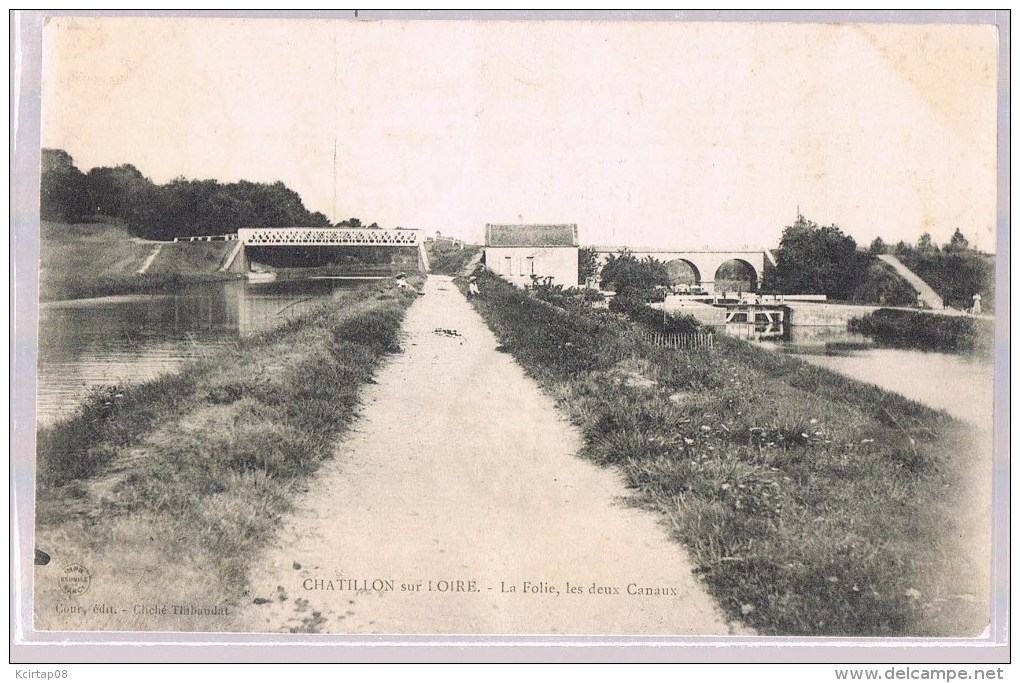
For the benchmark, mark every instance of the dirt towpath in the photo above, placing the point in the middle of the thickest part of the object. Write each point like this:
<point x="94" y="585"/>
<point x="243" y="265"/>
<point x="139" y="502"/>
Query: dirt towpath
<point x="457" y="505"/>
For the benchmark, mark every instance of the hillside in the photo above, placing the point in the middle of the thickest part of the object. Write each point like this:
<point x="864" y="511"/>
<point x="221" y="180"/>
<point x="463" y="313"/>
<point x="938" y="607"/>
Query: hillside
<point x="84" y="260"/>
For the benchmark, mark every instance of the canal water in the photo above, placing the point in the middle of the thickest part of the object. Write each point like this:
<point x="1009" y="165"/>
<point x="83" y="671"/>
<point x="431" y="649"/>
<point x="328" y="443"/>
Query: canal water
<point x="115" y="340"/>
<point x="960" y="384"/>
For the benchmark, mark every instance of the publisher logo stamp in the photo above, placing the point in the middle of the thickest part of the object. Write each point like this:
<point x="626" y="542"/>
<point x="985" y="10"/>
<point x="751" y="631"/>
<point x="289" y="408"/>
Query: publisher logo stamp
<point x="75" y="579"/>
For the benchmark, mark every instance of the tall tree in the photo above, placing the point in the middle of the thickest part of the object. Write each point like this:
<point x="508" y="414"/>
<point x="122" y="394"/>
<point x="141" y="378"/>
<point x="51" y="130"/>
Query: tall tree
<point x="957" y="242"/>
<point x="111" y="191"/>
<point x="818" y="260"/>
<point x="62" y="188"/>
<point x="926" y="244"/>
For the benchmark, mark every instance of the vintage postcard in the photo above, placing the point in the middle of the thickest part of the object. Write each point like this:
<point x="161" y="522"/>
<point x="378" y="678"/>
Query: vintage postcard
<point x="673" y="331"/>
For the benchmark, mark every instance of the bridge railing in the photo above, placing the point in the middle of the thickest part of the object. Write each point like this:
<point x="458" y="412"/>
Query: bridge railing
<point x="230" y="237"/>
<point x="354" y="237"/>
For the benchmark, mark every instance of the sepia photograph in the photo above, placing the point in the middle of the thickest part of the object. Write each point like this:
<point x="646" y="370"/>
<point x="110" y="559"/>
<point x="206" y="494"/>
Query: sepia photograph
<point x="566" y="328"/>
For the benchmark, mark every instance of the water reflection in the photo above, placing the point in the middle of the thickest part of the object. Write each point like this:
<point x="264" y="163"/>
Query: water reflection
<point x="116" y="340"/>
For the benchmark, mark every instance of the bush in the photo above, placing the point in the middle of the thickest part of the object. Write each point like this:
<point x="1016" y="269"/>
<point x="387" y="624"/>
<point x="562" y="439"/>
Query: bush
<point x="557" y="295"/>
<point x="548" y="337"/>
<point x="628" y="275"/>
<point x="927" y="331"/>
<point x="637" y="310"/>
<point x="882" y="285"/>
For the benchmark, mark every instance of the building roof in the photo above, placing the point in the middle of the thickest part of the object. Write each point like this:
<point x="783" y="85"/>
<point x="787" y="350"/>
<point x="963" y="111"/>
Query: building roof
<point x="531" y="235"/>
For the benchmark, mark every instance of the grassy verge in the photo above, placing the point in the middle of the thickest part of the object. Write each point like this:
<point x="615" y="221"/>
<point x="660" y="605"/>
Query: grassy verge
<point x="812" y="504"/>
<point x="927" y="331"/>
<point x="167" y="490"/>
<point x="82" y="261"/>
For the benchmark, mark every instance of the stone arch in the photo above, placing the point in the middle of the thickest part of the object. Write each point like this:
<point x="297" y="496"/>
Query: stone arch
<point x="736" y="274"/>
<point x="683" y="272"/>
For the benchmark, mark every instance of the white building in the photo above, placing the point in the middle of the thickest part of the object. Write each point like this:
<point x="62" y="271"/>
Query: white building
<point x="523" y="253"/>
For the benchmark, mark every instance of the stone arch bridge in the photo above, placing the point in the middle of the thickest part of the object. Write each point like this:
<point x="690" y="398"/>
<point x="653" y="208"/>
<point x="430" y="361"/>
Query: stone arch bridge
<point x="704" y="262"/>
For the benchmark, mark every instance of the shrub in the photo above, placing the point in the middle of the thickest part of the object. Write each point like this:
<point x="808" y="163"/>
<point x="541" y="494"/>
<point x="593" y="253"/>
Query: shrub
<point x="637" y="310"/>
<point x="626" y="274"/>
<point x="550" y="338"/>
<point x="924" y="330"/>
<point x="557" y="295"/>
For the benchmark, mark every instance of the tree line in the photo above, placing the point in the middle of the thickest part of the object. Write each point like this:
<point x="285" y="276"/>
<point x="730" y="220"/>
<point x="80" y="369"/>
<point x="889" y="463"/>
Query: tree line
<point x="180" y="208"/>
<point x="814" y="259"/>
<point x="954" y="270"/>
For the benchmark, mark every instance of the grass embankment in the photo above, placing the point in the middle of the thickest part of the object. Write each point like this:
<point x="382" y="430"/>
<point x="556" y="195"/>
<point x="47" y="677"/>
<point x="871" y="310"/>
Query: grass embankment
<point x="449" y="258"/>
<point x="81" y="261"/>
<point x="190" y="258"/>
<point x="811" y="503"/>
<point x="166" y="491"/>
<point x="927" y="331"/>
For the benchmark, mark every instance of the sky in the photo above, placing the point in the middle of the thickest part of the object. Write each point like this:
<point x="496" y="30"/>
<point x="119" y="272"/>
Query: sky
<point x="662" y="134"/>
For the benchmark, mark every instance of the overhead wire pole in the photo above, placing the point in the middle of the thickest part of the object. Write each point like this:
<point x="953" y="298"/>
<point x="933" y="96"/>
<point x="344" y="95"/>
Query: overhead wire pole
<point x="334" y="174"/>
<point x="335" y="89"/>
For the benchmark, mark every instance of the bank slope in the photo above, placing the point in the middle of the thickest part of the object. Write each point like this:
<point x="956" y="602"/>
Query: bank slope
<point x="165" y="492"/>
<point x="812" y="504"/>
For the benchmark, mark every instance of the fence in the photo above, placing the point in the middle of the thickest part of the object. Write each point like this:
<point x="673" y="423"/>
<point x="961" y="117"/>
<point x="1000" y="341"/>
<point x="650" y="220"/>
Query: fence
<point x="231" y="237"/>
<point x="680" y="340"/>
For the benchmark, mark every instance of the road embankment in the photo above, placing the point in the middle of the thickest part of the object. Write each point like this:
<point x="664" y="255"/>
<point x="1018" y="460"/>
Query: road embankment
<point x="812" y="504"/>
<point x="154" y="499"/>
<point x="89" y="260"/>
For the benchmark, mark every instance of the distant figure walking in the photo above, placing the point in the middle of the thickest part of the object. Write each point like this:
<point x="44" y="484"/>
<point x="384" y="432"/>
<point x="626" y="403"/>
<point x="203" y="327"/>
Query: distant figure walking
<point x="473" y="287"/>
<point x="975" y="309"/>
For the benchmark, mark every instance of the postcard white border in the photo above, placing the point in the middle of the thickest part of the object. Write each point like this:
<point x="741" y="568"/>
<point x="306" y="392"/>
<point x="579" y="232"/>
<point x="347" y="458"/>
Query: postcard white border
<point x="29" y="646"/>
